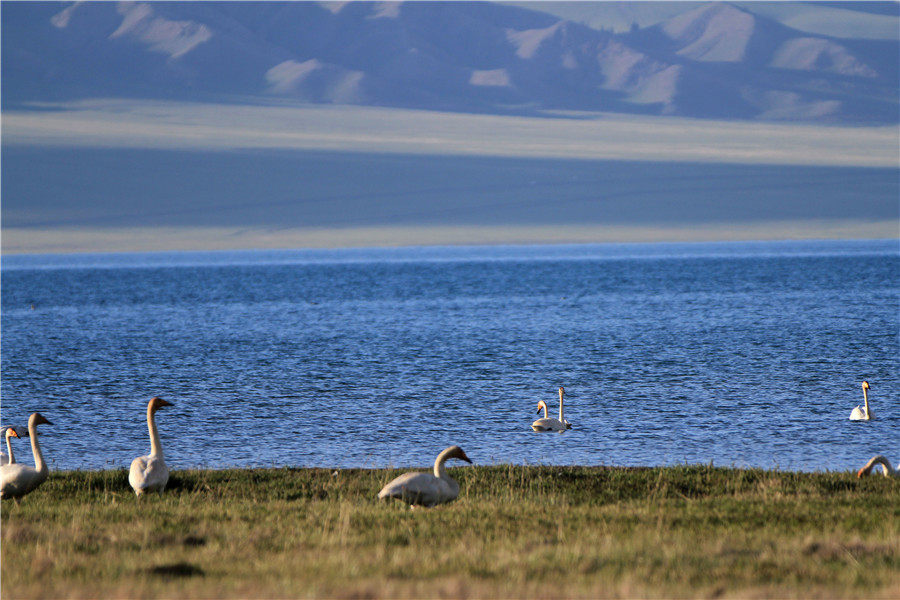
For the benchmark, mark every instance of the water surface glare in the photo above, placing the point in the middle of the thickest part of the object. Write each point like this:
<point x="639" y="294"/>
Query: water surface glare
<point x="744" y="354"/>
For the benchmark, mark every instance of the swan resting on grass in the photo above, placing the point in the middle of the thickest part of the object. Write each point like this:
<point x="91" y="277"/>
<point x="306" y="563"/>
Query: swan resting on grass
<point x="150" y="473"/>
<point x="887" y="469"/>
<point x="858" y="414"/>
<point x="549" y="424"/>
<point x="8" y="432"/>
<point x="16" y="479"/>
<point x="426" y="489"/>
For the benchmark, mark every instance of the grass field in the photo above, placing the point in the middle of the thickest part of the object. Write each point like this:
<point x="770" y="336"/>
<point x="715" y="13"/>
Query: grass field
<point x="530" y="532"/>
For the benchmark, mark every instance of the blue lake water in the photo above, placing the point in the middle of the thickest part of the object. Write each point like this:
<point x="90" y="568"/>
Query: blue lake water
<point x="743" y="354"/>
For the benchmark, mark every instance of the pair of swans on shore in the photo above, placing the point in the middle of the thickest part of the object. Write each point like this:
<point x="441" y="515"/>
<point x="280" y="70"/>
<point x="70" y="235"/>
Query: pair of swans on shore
<point x="548" y="423"/>
<point x="17" y="479"/>
<point x="148" y="473"/>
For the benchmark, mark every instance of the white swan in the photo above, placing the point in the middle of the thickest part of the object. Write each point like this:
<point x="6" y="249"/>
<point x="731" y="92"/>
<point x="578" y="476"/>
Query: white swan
<point x="9" y="458"/>
<point x="17" y="479"/>
<point x="862" y="415"/>
<point x="150" y="473"/>
<point x="426" y="489"/>
<point x="8" y="432"/>
<point x="549" y="424"/>
<point x="887" y="469"/>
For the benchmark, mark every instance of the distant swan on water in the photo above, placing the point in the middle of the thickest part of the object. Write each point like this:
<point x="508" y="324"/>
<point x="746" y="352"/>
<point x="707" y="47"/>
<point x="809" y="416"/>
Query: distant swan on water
<point x="150" y="473"/>
<point x="865" y="414"/>
<point x="548" y="423"/>
<point x="16" y="479"/>
<point x="887" y="469"/>
<point x="426" y="489"/>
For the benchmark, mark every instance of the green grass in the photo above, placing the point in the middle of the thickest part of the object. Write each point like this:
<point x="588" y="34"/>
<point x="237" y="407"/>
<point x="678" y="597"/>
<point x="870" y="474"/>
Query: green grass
<point x="535" y="532"/>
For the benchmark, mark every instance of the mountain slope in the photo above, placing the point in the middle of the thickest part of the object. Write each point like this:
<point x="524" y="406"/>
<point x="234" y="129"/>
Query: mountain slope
<point x="714" y="60"/>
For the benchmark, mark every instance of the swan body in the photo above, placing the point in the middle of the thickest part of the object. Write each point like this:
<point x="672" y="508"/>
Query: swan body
<point x="887" y="469"/>
<point x="150" y="473"/>
<point x="8" y="432"/>
<point x="858" y="414"/>
<point x="426" y="489"/>
<point x="548" y="423"/>
<point x="17" y="479"/>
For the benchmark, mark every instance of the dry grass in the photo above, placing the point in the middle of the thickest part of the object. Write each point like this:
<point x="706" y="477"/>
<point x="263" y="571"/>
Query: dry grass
<point x="529" y="532"/>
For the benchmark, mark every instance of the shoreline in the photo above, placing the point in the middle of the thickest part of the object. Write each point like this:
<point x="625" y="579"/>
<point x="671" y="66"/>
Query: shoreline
<point x="427" y="467"/>
<point x="37" y="241"/>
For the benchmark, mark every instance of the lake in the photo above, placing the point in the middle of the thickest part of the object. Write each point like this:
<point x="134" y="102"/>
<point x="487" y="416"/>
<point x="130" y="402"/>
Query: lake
<point x="739" y="354"/>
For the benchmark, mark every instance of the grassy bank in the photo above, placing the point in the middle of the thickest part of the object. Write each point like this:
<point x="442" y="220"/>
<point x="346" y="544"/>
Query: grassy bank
<point x="537" y="532"/>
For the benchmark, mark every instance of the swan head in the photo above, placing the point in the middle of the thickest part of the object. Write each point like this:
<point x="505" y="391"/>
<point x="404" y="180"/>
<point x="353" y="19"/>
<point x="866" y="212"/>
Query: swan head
<point x="562" y="391"/>
<point x="10" y="432"/>
<point x="865" y="385"/>
<point x="541" y="406"/>
<point x="457" y="452"/>
<point x="38" y="419"/>
<point x="21" y="432"/>
<point x="156" y="403"/>
<point x="861" y="472"/>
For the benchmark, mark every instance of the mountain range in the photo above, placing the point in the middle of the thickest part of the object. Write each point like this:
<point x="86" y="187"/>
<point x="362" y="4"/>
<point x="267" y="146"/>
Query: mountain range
<point x="716" y="60"/>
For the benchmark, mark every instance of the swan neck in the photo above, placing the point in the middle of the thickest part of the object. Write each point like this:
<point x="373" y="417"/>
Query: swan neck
<point x="866" y="399"/>
<point x="887" y="471"/>
<point x="155" y="446"/>
<point x="886" y="465"/>
<point x="39" y="464"/>
<point x="544" y="406"/>
<point x="439" y="470"/>
<point x="12" y="457"/>
<point x="561" y="420"/>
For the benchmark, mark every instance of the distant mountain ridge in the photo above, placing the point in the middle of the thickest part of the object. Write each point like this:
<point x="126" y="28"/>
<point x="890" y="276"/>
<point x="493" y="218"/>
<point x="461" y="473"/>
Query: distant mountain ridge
<point x="715" y="60"/>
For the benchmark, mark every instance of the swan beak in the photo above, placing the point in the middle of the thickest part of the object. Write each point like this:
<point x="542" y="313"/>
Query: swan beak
<point x="538" y="411"/>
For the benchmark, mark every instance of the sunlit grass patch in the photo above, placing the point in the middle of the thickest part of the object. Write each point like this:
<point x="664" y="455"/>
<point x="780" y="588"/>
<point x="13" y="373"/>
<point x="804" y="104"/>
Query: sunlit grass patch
<point x="538" y="532"/>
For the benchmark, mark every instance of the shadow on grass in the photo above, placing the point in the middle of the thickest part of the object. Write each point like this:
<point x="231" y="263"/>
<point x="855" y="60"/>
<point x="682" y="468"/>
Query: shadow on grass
<point x="181" y="569"/>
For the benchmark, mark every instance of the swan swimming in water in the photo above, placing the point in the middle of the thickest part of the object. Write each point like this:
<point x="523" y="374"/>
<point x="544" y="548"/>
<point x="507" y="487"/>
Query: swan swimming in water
<point x="887" y="469"/>
<point x="150" y="473"/>
<point x="862" y="415"/>
<point x="426" y="489"/>
<point x="16" y="479"/>
<point x="549" y="424"/>
<point x="8" y="432"/>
